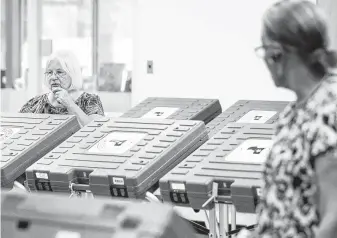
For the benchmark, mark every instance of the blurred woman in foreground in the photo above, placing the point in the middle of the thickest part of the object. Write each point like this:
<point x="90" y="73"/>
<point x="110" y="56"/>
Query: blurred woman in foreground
<point x="300" y="174"/>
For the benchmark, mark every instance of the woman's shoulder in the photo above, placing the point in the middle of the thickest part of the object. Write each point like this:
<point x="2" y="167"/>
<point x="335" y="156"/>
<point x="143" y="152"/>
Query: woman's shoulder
<point x="34" y="103"/>
<point x="328" y="92"/>
<point x="37" y="99"/>
<point x="89" y="97"/>
<point x="324" y="101"/>
<point x="91" y="104"/>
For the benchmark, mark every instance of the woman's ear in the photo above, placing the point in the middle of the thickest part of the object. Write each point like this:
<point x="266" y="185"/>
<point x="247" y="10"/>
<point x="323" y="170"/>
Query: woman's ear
<point x="318" y="62"/>
<point x="332" y="58"/>
<point x="318" y="56"/>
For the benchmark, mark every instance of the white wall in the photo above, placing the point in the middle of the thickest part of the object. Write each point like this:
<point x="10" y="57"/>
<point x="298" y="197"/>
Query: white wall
<point x="330" y="8"/>
<point x="201" y="48"/>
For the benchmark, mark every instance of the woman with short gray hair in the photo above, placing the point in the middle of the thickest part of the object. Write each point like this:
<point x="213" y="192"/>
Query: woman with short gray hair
<point x="64" y="80"/>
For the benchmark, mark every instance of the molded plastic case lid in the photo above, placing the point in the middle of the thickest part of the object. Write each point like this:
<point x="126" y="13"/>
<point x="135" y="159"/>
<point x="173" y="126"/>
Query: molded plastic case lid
<point x="50" y="216"/>
<point x="26" y="137"/>
<point x="176" y="108"/>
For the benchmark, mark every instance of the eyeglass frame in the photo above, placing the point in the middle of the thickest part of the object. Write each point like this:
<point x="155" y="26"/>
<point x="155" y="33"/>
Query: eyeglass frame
<point x="265" y="47"/>
<point x="57" y="73"/>
<point x="284" y="48"/>
<point x="273" y="58"/>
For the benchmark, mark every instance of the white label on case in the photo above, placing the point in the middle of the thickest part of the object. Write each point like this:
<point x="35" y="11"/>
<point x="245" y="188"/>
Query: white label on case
<point x="251" y="151"/>
<point x="160" y="112"/>
<point x="256" y="116"/>
<point x="6" y="132"/>
<point x="118" y="181"/>
<point x="178" y="186"/>
<point x="67" y="234"/>
<point x="259" y="192"/>
<point x="117" y="143"/>
<point x="40" y="175"/>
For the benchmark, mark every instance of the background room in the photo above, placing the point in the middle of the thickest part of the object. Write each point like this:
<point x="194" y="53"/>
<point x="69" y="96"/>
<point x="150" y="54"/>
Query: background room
<point x="197" y="48"/>
<point x="187" y="117"/>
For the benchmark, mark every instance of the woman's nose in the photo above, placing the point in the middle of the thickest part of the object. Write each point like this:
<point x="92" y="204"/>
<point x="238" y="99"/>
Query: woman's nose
<point x="53" y="79"/>
<point x="54" y="75"/>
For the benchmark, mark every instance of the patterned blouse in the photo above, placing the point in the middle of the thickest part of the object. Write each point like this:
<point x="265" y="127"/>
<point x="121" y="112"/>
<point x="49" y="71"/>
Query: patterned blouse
<point x="289" y="206"/>
<point x="89" y="103"/>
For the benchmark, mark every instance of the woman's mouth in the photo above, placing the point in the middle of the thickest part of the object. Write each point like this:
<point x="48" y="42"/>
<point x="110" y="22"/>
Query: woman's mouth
<point x="55" y="85"/>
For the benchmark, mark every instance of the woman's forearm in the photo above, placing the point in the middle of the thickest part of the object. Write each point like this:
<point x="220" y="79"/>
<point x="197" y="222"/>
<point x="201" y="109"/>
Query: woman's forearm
<point x="82" y="118"/>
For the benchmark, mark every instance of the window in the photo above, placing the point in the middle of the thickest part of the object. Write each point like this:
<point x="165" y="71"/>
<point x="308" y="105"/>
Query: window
<point x="3" y="43"/>
<point x="115" y="29"/>
<point x="72" y="31"/>
<point x="71" y="25"/>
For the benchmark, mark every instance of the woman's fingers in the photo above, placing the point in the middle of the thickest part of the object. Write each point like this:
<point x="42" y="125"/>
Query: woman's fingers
<point x="59" y="101"/>
<point x="56" y="89"/>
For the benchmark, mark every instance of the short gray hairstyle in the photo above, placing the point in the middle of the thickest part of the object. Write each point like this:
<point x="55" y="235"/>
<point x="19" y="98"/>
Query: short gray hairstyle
<point x="70" y="65"/>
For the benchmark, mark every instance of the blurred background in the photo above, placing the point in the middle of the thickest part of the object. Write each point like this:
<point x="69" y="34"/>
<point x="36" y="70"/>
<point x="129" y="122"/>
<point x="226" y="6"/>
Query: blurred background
<point x="98" y="32"/>
<point x="195" y="48"/>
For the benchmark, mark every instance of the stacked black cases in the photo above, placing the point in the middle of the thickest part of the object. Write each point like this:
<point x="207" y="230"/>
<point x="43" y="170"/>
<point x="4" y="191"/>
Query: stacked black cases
<point x="46" y="216"/>
<point x="176" y="108"/>
<point x="120" y="157"/>
<point x="25" y="138"/>
<point x="247" y="111"/>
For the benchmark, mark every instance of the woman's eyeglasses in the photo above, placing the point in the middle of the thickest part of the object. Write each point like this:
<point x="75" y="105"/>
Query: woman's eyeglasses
<point x="260" y="51"/>
<point x="58" y="73"/>
<point x="269" y="53"/>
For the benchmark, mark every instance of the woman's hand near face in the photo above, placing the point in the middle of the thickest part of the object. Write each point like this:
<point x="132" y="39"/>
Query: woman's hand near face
<point x="63" y="97"/>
